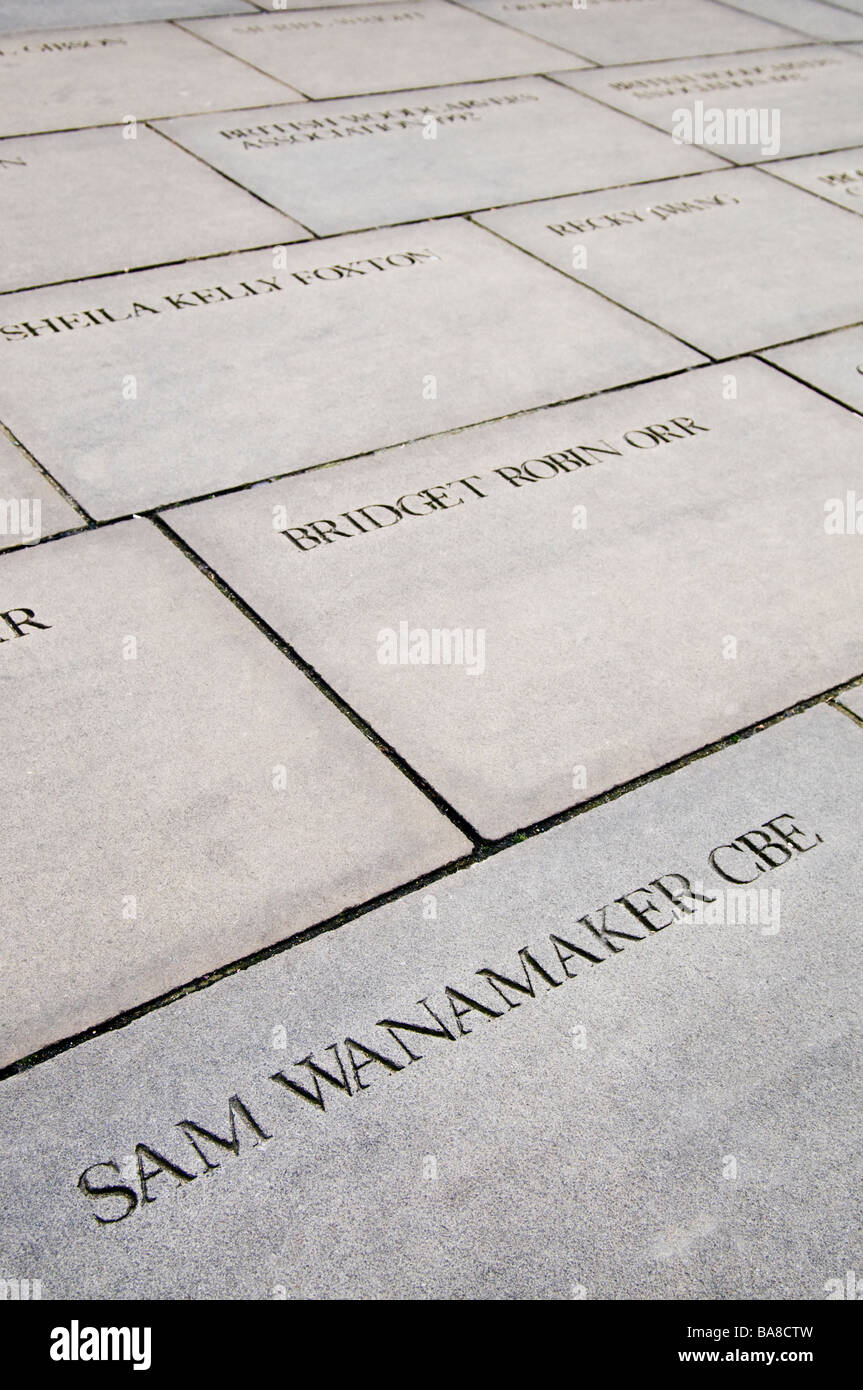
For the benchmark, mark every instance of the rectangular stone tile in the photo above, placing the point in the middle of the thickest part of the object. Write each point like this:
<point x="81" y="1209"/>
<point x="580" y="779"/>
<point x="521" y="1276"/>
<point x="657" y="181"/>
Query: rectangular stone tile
<point x="346" y="346"/>
<point x="642" y="602"/>
<point x="720" y="276"/>
<point x="357" y="49"/>
<point x="820" y="20"/>
<point x="346" y="164"/>
<point x="671" y="1113"/>
<point x="837" y="177"/>
<point x="65" y="78"/>
<point x="30" y="507"/>
<point x="815" y="90"/>
<point x="833" y="362"/>
<point x="51" y="14"/>
<point x="199" y="211"/>
<point x="182" y="794"/>
<point x="639" y="30"/>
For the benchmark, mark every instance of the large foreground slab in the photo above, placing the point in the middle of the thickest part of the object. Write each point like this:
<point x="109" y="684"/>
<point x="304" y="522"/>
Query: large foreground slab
<point x="347" y="164"/>
<point x="536" y="610"/>
<point x="638" y="30"/>
<point x="301" y="355"/>
<point x="816" y="91"/>
<point x="30" y="507"/>
<point x="720" y="277"/>
<point x="200" y="213"/>
<point x="378" y="48"/>
<point x="76" y="77"/>
<point x="180" y="794"/>
<point x="669" y="1111"/>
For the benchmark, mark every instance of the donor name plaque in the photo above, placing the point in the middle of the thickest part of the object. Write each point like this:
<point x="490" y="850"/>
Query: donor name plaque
<point x="478" y="1079"/>
<point x="536" y="610"/>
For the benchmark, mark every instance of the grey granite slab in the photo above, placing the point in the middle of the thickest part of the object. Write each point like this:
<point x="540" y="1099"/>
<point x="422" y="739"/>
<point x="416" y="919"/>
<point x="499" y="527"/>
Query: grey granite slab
<point x="815" y="17"/>
<point x="53" y="14"/>
<point x="837" y="177"/>
<point x="805" y="100"/>
<point x="30" y="507"/>
<point x="280" y="6"/>
<point x="67" y="78"/>
<point x="832" y="362"/>
<point x="673" y="1114"/>
<point x="638" y="30"/>
<point x="356" y="49"/>
<point x="348" y="164"/>
<point x="182" y="794"/>
<point x="853" y="699"/>
<point x="721" y="276"/>
<point x="200" y="212"/>
<point x="599" y="615"/>
<point x="302" y="354"/>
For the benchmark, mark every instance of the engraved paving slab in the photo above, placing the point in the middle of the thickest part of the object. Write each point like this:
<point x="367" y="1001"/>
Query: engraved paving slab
<point x="339" y="165"/>
<point x="590" y="1100"/>
<point x="301" y="355"/>
<point x="536" y="610"/>
<point x="65" y="78"/>
<point x="721" y="278"/>
<point x="817" y="92"/>
<point x="378" y="48"/>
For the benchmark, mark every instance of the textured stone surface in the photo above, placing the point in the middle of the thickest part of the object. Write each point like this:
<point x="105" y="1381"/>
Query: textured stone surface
<point x="816" y="90"/>
<point x="720" y="277"/>
<point x="832" y="362"/>
<point x="29" y="506"/>
<point x="182" y="795"/>
<point x="421" y="154"/>
<point x="78" y="77"/>
<point x="821" y="20"/>
<point x="378" y="48"/>
<point x="51" y="14"/>
<point x="853" y="700"/>
<point x="199" y="211"/>
<point x="837" y="176"/>
<point x="639" y="30"/>
<point x="293" y="369"/>
<point x="632" y="609"/>
<point x="680" y="1121"/>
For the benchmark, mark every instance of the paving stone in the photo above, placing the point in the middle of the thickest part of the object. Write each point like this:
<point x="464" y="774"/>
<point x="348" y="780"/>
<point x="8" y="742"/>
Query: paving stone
<point x="853" y="700"/>
<point x="67" y="78"/>
<point x="182" y="794"/>
<point x="51" y="14"/>
<point x="837" y="177"/>
<point x="347" y="345"/>
<point x="631" y="1130"/>
<point x="832" y="362"/>
<point x="822" y="21"/>
<point x="815" y="90"/>
<point x="199" y="211"/>
<point x="596" y="609"/>
<point x="720" y="277"/>
<point x="30" y="507"/>
<point x="442" y="150"/>
<point x="639" y="30"/>
<point x="356" y="49"/>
